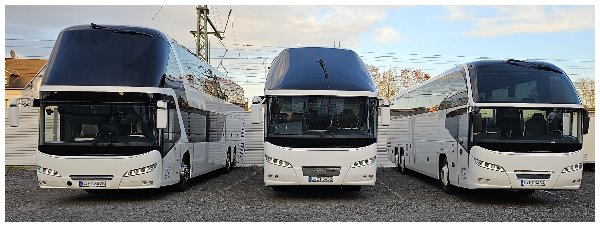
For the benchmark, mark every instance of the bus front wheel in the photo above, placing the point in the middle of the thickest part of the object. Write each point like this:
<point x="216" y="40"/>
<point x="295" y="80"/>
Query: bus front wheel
<point x="445" y="177"/>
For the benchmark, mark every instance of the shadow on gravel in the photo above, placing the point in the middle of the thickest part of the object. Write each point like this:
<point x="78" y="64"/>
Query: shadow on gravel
<point x="316" y="192"/>
<point x="145" y="194"/>
<point x="484" y="196"/>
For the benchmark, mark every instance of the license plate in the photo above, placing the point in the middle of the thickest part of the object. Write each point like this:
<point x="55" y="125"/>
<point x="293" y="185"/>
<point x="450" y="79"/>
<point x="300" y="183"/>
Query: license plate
<point x="525" y="183"/>
<point x="92" y="184"/>
<point x="320" y="179"/>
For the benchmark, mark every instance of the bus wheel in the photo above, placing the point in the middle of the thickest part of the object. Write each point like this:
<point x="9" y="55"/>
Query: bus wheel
<point x="184" y="177"/>
<point x="526" y="192"/>
<point x="227" y="167"/>
<point x="445" y="177"/>
<point x="402" y="164"/>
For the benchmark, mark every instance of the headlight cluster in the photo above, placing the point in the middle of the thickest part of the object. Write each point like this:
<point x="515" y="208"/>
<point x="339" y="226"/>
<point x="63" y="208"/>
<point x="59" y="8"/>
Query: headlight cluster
<point x="278" y="162"/>
<point x="365" y="162"/>
<point x="488" y="165"/>
<point x="140" y="171"/>
<point x="572" y="168"/>
<point x="48" y="171"/>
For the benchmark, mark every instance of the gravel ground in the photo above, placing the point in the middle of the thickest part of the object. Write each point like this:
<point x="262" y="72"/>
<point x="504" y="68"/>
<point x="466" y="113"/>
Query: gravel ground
<point x="242" y="196"/>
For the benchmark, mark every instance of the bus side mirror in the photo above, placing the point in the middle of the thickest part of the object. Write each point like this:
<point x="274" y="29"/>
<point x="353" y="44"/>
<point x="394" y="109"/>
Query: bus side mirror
<point x="586" y="122"/>
<point x="385" y="113"/>
<point x="476" y="121"/>
<point x="14" y="113"/>
<point x="256" y="107"/>
<point x="161" y="115"/>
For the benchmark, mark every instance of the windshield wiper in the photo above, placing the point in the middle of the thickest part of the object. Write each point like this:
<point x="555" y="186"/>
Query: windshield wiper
<point x="119" y="31"/>
<point x="322" y="64"/>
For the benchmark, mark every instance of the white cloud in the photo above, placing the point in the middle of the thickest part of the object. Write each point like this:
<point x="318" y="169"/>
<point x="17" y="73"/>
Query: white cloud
<point x="504" y="20"/>
<point x="386" y="35"/>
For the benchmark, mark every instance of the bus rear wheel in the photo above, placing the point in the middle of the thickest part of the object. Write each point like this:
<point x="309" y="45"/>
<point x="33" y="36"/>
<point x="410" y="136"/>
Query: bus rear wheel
<point x="184" y="176"/>
<point x="445" y="177"/>
<point x="402" y="164"/>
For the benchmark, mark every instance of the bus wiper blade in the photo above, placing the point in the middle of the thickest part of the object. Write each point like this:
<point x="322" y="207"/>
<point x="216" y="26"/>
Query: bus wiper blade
<point x="119" y="31"/>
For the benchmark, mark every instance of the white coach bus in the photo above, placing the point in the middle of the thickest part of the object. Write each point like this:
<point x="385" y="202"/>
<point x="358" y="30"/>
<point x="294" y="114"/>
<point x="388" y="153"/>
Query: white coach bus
<point x="128" y="108"/>
<point x="492" y="125"/>
<point x="320" y="114"/>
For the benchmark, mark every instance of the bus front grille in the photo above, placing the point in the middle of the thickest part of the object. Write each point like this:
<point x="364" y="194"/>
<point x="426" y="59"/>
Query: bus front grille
<point x="533" y="176"/>
<point x="321" y="171"/>
<point x="92" y="177"/>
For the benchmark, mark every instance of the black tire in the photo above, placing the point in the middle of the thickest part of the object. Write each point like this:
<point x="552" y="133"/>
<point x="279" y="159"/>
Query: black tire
<point x="227" y="167"/>
<point x="184" y="177"/>
<point x="526" y="192"/>
<point x="445" y="177"/>
<point x="402" y="163"/>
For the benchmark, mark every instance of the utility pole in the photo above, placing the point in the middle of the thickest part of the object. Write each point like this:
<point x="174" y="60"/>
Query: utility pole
<point x="202" y="34"/>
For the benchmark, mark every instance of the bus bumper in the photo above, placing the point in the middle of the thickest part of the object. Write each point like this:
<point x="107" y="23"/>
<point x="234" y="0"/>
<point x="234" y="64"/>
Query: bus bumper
<point x="525" y="171"/>
<point x="98" y="172"/>
<point x="275" y="175"/>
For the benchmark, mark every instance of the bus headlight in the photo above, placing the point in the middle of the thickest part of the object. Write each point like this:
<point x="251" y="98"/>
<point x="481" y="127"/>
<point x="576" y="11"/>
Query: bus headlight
<point x="488" y="165"/>
<point x="140" y="171"/>
<point x="48" y="171"/>
<point x="572" y="168"/>
<point x="365" y="162"/>
<point x="278" y="162"/>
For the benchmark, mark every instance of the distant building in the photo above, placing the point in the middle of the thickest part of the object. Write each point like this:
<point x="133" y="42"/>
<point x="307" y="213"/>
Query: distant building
<point x="22" y="78"/>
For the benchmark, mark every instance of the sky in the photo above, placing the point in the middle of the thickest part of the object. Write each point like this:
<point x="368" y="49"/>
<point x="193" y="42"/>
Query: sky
<point x="430" y="38"/>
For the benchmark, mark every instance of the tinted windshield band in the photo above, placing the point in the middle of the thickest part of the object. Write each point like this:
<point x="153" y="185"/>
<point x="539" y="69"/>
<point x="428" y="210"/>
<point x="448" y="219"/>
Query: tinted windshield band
<point x="531" y="147"/>
<point x="89" y="150"/>
<point x="321" y="142"/>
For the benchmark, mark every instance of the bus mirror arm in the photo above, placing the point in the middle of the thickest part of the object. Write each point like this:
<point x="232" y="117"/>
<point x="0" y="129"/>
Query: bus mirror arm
<point x="255" y="113"/>
<point x="476" y="121"/>
<point x="586" y="122"/>
<point x="161" y="115"/>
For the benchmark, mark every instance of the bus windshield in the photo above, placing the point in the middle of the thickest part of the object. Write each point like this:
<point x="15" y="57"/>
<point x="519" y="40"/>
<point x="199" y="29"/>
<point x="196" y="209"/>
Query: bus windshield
<point x="554" y="127"/>
<point x="104" y="57"/>
<point x="321" y="116"/>
<point x="98" y="125"/>
<point x="521" y="82"/>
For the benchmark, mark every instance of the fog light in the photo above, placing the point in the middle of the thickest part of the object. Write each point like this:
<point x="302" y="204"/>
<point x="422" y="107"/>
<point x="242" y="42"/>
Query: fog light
<point x="69" y="183"/>
<point x="487" y="180"/>
<point x="151" y="182"/>
<point x="276" y="176"/>
<point x="479" y="179"/>
<point x="269" y="175"/>
<point x="365" y="177"/>
<point x="370" y="176"/>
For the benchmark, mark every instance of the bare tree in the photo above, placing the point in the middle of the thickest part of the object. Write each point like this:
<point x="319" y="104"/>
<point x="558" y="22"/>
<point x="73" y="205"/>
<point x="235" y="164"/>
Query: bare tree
<point x="386" y="82"/>
<point x="410" y="77"/>
<point x="586" y="90"/>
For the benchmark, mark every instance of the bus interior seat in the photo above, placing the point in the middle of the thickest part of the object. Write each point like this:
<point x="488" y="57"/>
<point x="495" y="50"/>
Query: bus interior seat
<point x="537" y="125"/>
<point x="509" y="122"/>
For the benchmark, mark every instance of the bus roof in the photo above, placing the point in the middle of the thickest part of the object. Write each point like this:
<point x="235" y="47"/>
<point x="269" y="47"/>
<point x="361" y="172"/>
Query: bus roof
<point x="315" y="68"/>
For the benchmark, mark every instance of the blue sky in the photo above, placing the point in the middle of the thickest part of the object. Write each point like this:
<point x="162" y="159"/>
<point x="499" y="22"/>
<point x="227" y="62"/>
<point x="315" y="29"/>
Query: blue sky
<point x="432" y="38"/>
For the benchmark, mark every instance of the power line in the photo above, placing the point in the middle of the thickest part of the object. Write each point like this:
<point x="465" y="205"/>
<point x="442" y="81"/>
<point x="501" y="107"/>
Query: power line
<point x="156" y="14"/>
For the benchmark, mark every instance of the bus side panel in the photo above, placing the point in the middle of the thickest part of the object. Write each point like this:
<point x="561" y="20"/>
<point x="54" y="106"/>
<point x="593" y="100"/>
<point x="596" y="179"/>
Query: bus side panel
<point x="427" y="143"/>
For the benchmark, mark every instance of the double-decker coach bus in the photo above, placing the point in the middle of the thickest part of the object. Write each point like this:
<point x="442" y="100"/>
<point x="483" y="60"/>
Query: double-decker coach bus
<point x="127" y="108"/>
<point x="320" y="117"/>
<point x="492" y="125"/>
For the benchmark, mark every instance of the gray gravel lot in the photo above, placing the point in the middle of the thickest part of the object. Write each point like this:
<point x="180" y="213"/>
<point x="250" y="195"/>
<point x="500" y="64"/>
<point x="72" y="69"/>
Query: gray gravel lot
<point x="241" y="196"/>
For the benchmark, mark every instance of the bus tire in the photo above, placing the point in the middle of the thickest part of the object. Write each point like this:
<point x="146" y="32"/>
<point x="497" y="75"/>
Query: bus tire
<point x="445" y="177"/>
<point x="227" y="167"/>
<point x="184" y="174"/>
<point x="402" y="163"/>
